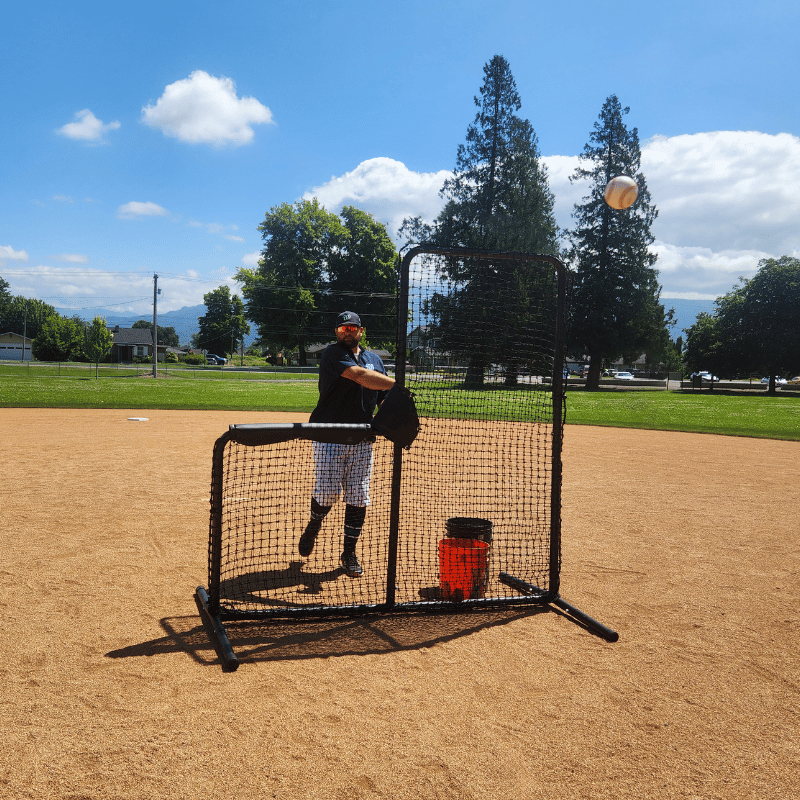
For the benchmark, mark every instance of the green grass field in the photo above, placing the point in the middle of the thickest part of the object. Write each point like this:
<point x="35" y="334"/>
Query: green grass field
<point x="745" y="414"/>
<point x="731" y="414"/>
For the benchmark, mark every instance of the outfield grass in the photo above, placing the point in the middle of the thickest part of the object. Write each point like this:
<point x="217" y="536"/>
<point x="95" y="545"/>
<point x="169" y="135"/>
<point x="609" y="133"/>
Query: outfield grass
<point x="742" y="414"/>
<point x="209" y="391"/>
<point x="746" y="414"/>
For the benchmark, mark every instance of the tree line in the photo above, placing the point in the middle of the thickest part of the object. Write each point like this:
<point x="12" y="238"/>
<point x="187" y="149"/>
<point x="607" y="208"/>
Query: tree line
<point x="755" y="327"/>
<point x="55" y="337"/>
<point x="314" y="263"/>
<point x="498" y="198"/>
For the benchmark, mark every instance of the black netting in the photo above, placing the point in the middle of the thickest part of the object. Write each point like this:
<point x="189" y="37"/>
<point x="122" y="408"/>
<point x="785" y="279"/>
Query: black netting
<point x="485" y="365"/>
<point x="264" y="505"/>
<point x="478" y="493"/>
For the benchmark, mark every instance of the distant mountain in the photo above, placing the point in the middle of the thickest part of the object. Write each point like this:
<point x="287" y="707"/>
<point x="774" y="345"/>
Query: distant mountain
<point x="184" y="320"/>
<point x="686" y="312"/>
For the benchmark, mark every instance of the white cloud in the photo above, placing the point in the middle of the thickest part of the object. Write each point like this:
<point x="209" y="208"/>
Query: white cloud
<point x="66" y="282"/>
<point x="700" y="273"/>
<point x="385" y="188"/>
<point x="567" y="194"/>
<point x="216" y="228"/>
<point x="90" y="292"/>
<point x="726" y="190"/>
<point x="726" y="200"/>
<point x="72" y="258"/>
<point x="86" y="127"/>
<point x="135" y="210"/>
<point x="8" y="253"/>
<point x="202" y="109"/>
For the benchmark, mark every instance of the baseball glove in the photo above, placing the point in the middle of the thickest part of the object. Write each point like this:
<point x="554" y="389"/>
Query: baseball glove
<point x="397" y="418"/>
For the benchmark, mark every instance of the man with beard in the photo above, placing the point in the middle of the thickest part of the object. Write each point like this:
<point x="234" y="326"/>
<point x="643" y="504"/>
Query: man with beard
<point x="352" y="381"/>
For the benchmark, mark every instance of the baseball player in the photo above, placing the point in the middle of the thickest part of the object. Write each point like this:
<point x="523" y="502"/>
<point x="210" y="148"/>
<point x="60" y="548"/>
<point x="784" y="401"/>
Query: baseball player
<point x="352" y="381"/>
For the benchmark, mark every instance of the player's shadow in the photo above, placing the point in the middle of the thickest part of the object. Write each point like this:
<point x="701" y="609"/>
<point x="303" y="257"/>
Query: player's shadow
<point x="247" y="587"/>
<point x="287" y="640"/>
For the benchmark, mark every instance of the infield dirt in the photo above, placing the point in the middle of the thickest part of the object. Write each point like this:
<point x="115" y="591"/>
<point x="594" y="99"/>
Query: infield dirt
<point x="685" y="544"/>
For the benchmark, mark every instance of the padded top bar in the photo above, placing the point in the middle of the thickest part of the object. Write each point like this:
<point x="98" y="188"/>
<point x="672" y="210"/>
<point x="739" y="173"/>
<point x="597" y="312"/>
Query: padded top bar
<point x="272" y="433"/>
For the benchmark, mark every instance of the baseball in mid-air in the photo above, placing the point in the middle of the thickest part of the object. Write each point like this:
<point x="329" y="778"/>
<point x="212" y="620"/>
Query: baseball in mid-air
<point x="621" y="192"/>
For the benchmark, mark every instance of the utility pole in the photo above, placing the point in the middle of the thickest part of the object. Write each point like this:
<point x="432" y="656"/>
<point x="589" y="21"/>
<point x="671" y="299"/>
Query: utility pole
<point x="155" y="325"/>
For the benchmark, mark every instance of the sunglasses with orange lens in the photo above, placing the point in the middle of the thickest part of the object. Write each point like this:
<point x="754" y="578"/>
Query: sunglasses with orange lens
<point x="349" y="328"/>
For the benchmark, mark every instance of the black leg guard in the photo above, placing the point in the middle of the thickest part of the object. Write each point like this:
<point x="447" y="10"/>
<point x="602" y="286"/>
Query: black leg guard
<point x="318" y="511"/>
<point x="309" y="538"/>
<point x="351" y="539"/>
<point x="349" y="560"/>
<point x="354" y="516"/>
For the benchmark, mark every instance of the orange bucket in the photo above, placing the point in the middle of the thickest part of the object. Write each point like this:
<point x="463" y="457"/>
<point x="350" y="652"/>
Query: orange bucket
<point x="463" y="566"/>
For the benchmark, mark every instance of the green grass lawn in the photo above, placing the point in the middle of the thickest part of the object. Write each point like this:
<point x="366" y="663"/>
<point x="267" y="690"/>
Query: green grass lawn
<point x="741" y="414"/>
<point x="207" y="390"/>
<point x="745" y="414"/>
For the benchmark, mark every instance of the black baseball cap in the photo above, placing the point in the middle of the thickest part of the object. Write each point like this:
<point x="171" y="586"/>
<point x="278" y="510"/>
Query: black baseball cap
<point x="348" y="318"/>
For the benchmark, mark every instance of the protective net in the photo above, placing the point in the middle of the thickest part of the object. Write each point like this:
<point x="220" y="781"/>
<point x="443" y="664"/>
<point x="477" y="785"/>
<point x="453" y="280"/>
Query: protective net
<point x="485" y="361"/>
<point x="262" y="484"/>
<point x="471" y="513"/>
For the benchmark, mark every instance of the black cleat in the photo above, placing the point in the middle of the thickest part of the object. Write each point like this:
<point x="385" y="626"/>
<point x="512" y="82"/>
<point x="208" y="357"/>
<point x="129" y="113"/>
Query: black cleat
<point x="309" y="538"/>
<point x="350" y="565"/>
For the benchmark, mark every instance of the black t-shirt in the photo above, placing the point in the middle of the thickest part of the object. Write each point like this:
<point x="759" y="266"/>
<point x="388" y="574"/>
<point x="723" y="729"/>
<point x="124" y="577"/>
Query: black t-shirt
<point x="340" y="399"/>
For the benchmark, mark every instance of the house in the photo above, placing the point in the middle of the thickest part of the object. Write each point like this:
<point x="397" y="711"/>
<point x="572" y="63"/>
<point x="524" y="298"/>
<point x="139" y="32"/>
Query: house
<point x="424" y="351"/>
<point x="15" y="347"/>
<point x="314" y="353"/>
<point x="131" y="343"/>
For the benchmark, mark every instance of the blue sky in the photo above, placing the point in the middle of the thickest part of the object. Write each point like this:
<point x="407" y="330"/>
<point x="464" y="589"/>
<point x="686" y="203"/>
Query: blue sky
<point x="153" y="137"/>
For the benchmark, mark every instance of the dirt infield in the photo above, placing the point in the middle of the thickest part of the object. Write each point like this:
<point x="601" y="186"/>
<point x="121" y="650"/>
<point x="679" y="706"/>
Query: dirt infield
<point x="685" y="544"/>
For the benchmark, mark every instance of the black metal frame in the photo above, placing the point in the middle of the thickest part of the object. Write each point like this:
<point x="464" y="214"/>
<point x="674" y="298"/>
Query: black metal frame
<point x="255" y="435"/>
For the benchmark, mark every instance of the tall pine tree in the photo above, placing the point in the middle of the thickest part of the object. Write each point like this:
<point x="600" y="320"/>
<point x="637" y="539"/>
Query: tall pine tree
<point x="498" y="199"/>
<point x="615" y="302"/>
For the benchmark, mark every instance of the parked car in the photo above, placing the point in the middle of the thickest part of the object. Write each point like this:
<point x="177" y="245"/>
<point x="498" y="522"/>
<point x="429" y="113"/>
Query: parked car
<point x="794" y="381"/>
<point x="706" y="376"/>
<point x="778" y="381"/>
<point x="624" y="376"/>
<point x="218" y="360"/>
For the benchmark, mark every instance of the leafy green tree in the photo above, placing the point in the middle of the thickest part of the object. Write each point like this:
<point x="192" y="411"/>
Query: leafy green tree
<point x="223" y="327"/>
<point x="167" y="335"/>
<point x="615" y="302"/>
<point x="654" y="324"/>
<point x="60" y="339"/>
<point x="497" y="200"/>
<point x="758" y="322"/>
<point x="733" y="351"/>
<point x="98" y="342"/>
<point x="283" y="294"/>
<point x="702" y="344"/>
<point x="362" y="273"/>
<point x="23" y="315"/>
<point x="5" y="299"/>
<point x="672" y="357"/>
